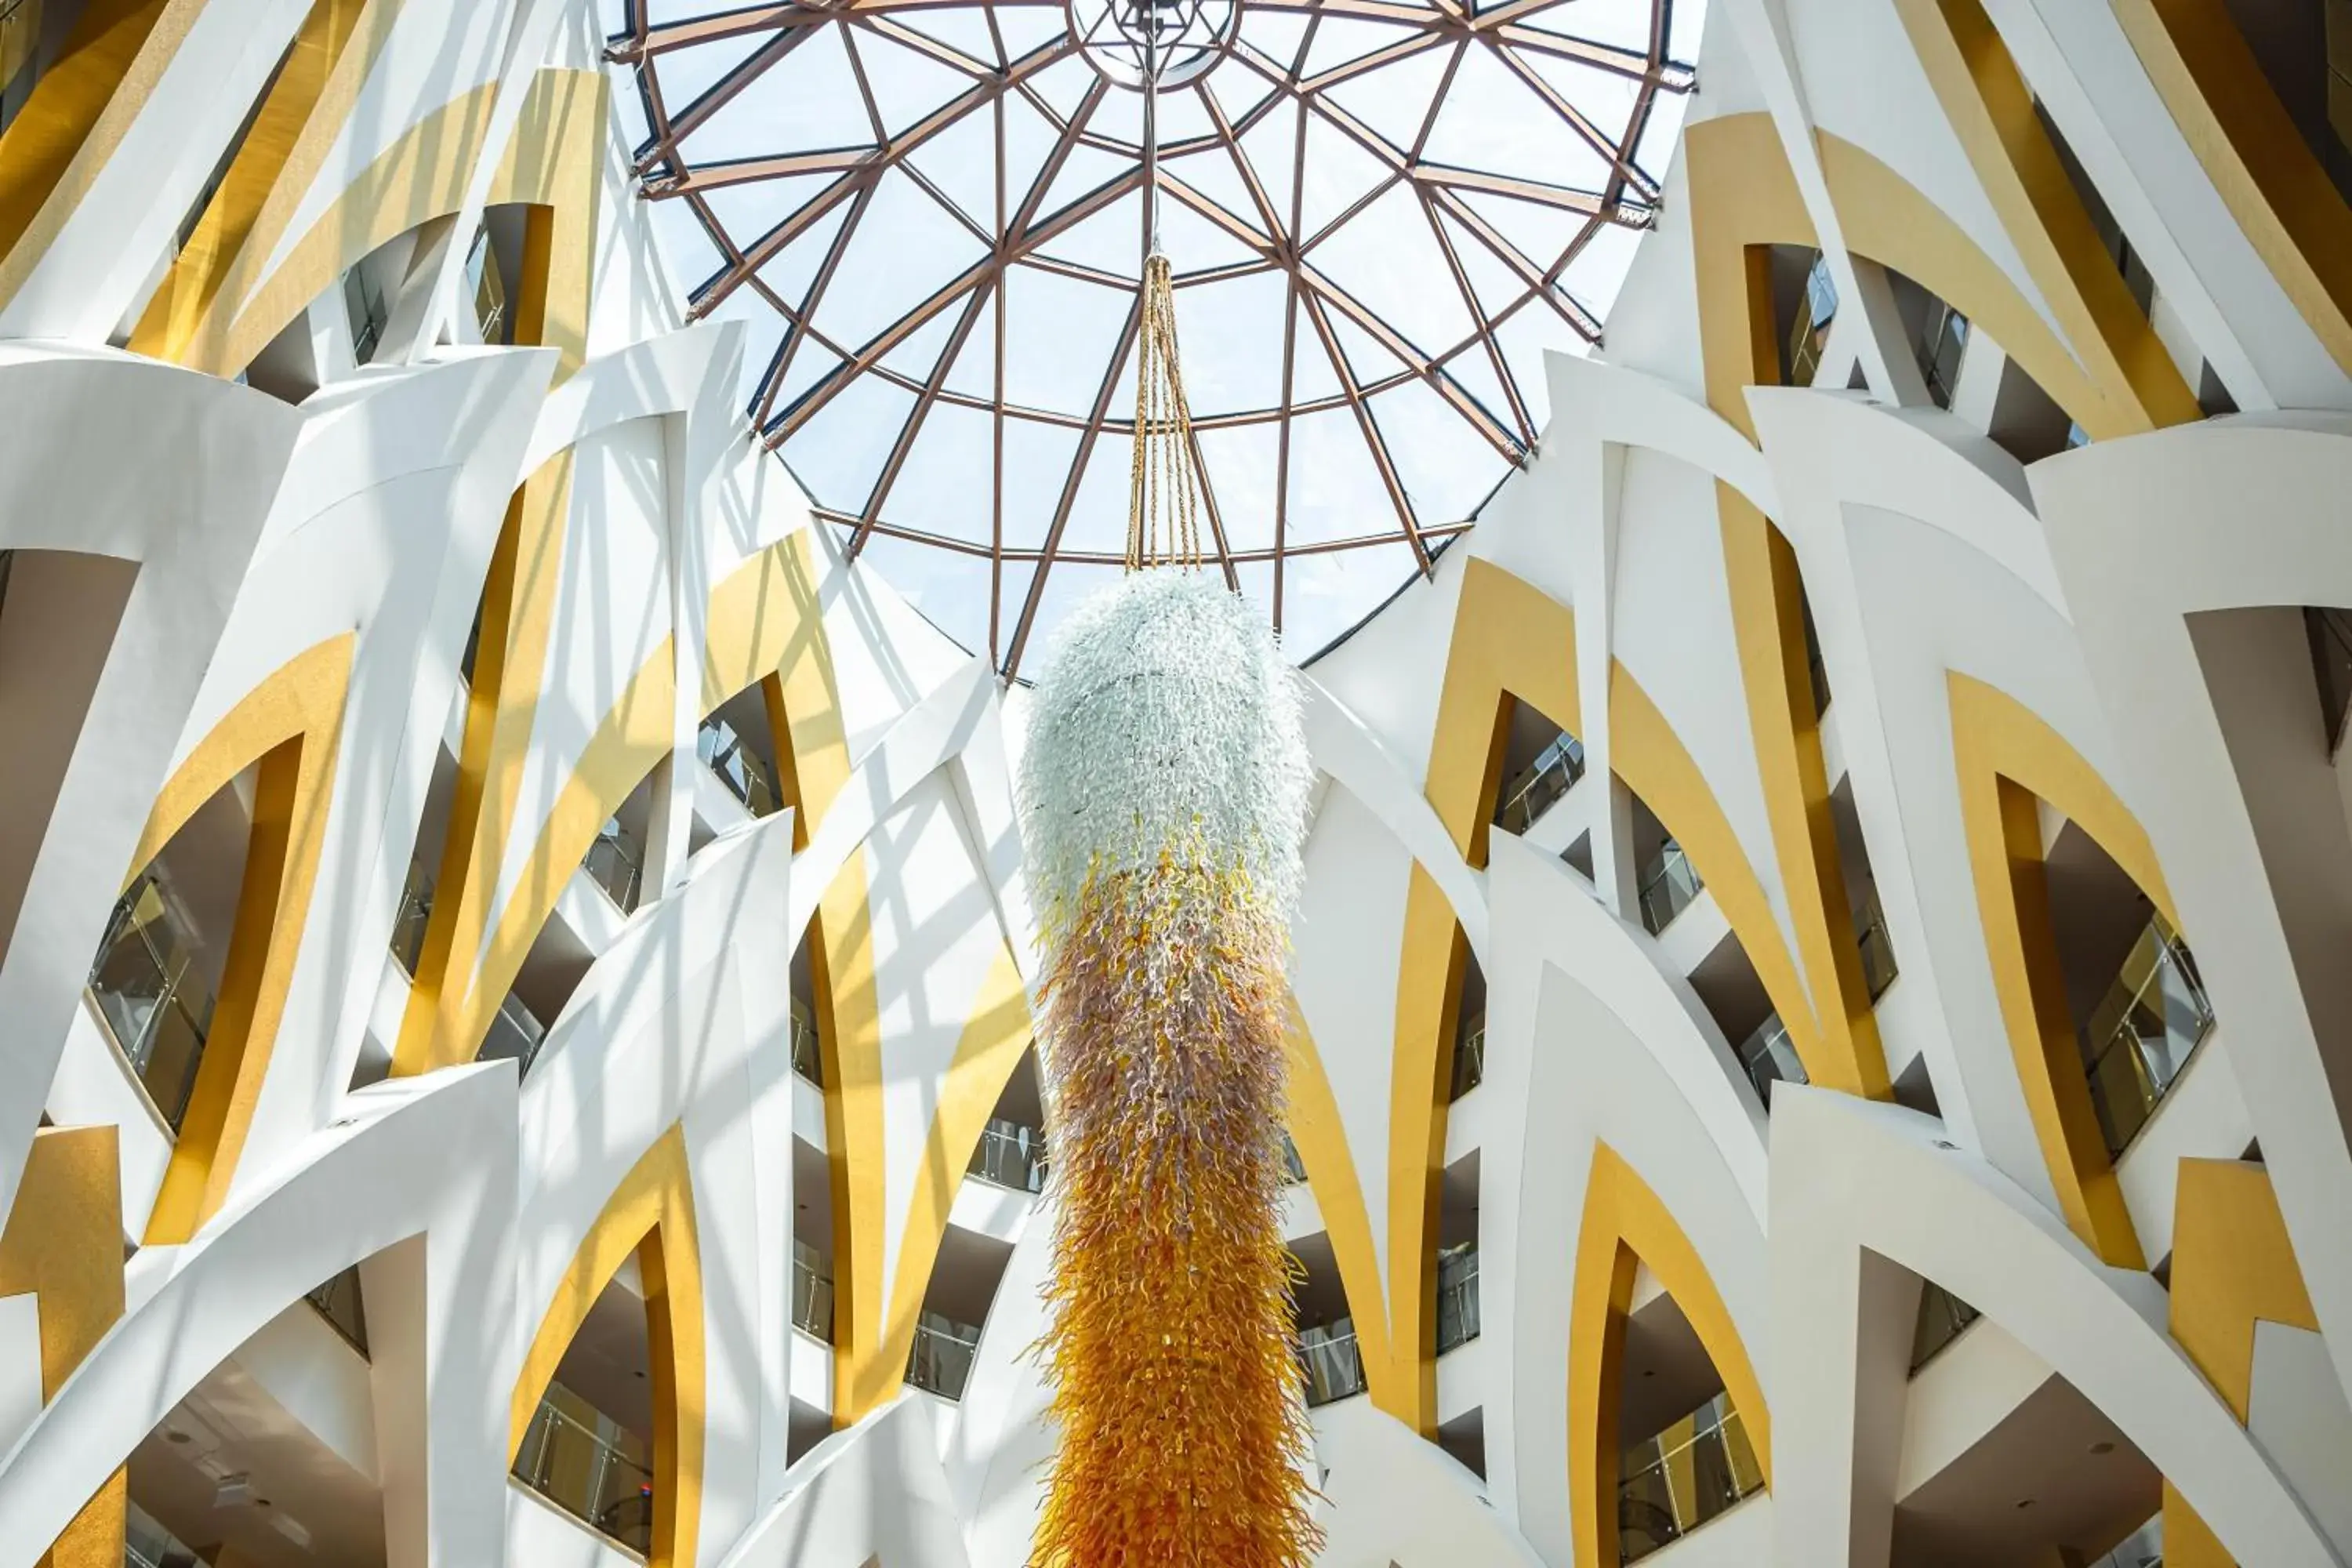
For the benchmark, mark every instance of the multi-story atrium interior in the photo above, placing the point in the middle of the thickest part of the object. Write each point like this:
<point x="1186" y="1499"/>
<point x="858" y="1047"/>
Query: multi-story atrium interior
<point x="1812" y="536"/>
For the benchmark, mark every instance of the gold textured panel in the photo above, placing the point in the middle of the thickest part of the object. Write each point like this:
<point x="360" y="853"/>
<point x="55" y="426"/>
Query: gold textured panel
<point x="650" y="1216"/>
<point x="63" y="1245"/>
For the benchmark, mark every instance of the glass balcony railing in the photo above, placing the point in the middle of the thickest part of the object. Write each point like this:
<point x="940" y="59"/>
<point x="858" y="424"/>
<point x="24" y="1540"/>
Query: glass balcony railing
<point x="152" y="994"/>
<point x="416" y="914"/>
<point x="147" y="1545"/>
<point x="747" y="775"/>
<point x="617" y="861"/>
<point x="808" y="1058"/>
<point x="1531" y="794"/>
<point x="1469" y="1057"/>
<point x="1769" y="1057"/>
<point x="591" y="1466"/>
<point x="1457" y="1296"/>
<point x="1686" y="1475"/>
<point x="1668" y="886"/>
<point x="1294" y="1169"/>
<point x="338" y="1301"/>
<point x="1942" y="1316"/>
<point x="1878" y="967"/>
<point x="943" y="1354"/>
<point x="2144" y="1548"/>
<point x="1333" y="1364"/>
<point x="516" y="1033"/>
<point x="812" y="1291"/>
<point x="1011" y="1155"/>
<point x="2140" y="1035"/>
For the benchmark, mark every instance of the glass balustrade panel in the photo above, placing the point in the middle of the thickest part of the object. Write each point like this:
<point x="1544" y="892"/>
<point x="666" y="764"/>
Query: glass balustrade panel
<point x="943" y="1354"/>
<point x="1768" y="1056"/>
<point x="1878" y="966"/>
<point x="812" y="1291"/>
<point x="747" y="775"/>
<point x="1942" y="1316"/>
<point x="338" y="1301"/>
<point x="1668" y="887"/>
<point x="808" y="1058"/>
<point x="152" y="994"/>
<point x="415" y="914"/>
<point x="2141" y="1034"/>
<point x="1333" y="1363"/>
<point x="1531" y="793"/>
<point x="1457" y="1296"/>
<point x="618" y="862"/>
<point x="515" y="1034"/>
<point x="1010" y="1155"/>
<point x="1294" y="1169"/>
<point x="1470" y="1058"/>
<point x="589" y="1466"/>
<point x="1678" y="1480"/>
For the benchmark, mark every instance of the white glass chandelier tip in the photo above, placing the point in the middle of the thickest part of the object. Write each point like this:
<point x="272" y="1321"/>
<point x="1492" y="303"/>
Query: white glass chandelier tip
<point x="1165" y="717"/>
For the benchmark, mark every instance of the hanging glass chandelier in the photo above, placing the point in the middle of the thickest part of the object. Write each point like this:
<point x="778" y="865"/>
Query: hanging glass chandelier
<point x="1164" y="797"/>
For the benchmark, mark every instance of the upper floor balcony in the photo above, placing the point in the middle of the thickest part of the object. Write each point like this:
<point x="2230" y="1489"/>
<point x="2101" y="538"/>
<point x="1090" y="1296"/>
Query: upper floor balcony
<point x="150" y="986"/>
<point x="1457" y="1296"/>
<point x="1011" y="1155"/>
<point x="943" y="1353"/>
<point x="1668" y="884"/>
<point x="2142" y="1032"/>
<point x="749" y="776"/>
<point x="1673" y="1483"/>
<point x="1331" y="1360"/>
<point x="591" y="1466"/>
<point x="1528" y="794"/>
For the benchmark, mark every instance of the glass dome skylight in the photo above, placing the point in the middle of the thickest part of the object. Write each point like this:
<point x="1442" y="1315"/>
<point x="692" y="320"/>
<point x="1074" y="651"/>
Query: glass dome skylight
<point x="928" y="213"/>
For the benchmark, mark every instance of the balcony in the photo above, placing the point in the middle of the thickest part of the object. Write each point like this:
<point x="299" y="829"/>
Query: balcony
<point x="516" y="1033"/>
<point x="338" y="1301"/>
<point x="1469" y="1059"/>
<point x="589" y="1466"/>
<point x="808" y="1057"/>
<point x="1011" y="1155"/>
<point x="1294" y="1169"/>
<point x="617" y="861"/>
<point x="2141" y="1034"/>
<point x="1333" y="1364"/>
<point x="1668" y="884"/>
<point x="812" y="1291"/>
<point x="416" y="914"/>
<point x="1530" y="794"/>
<point x="1686" y="1475"/>
<point x="1942" y="1316"/>
<point x="152" y="994"/>
<point x="1457" y="1296"/>
<point x="943" y="1354"/>
<point x="748" y="776"/>
<point x="1767" y="1057"/>
<point x="1878" y="967"/>
<point x="146" y="1543"/>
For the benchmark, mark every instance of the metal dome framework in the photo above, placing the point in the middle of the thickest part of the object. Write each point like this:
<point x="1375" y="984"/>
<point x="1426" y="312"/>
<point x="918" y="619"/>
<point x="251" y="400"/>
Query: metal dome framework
<point x="1363" y="172"/>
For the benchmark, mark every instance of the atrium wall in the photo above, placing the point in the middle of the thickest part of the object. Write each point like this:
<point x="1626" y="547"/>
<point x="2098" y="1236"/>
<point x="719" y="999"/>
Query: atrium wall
<point x="1819" y="1028"/>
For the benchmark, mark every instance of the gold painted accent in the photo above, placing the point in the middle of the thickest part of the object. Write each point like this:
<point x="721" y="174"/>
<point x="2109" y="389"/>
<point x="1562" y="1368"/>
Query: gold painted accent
<point x="651" y="1215"/>
<point x="553" y="165"/>
<point x="1625" y="1224"/>
<point x="991" y="1046"/>
<point x="77" y="115"/>
<point x="1653" y="762"/>
<point x="1752" y="202"/>
<point x="1512" y="641"/>
<point x="63" y="1245"/>
<point x="766" y="623"/>
<point x="2233" y="1266"/>
<point x="1992" y="109"/>
<point x="2006" y="757"/>
<point x="2283" y="200"/>
<point x="509" y="662"/>
<point x="291" y="726"/>
<point x="420" y="177"/>
<point x="1321" y="1137"/>
<point x="280" y="127"/>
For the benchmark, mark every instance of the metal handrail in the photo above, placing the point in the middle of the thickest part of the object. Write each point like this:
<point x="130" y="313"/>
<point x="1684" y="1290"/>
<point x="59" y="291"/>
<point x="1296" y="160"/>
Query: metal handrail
<point x="143" y="994"/>
<point x="1878" y="966"/>
<point x="1469" y="1059"/>
<point x="607" y="1462"/>
<point x="617" y="863"/>
<point x="1457" y="1296"/>
<point x="1294" y="1169"/>
<point x="940" y="1359"/>
<point x="515" y="1034"/>
<point x="415" y="914"/>
<point x="1767" y="1057"/>
<point x="1332" y="1362"/>
<point x="2130" y="1070"/>
<point x="1670" y="1489"/>
<point x="808" y="1052"/>
<point x="1942" y="1317"/>
<point x="1669" y="888"/>
<point x="1010" y="1155"/>
<point x="1552" y="774"/>
<point x="339" y="1301"/>
<point x="812" y="1291"/>
<point x="746" y="774"/>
